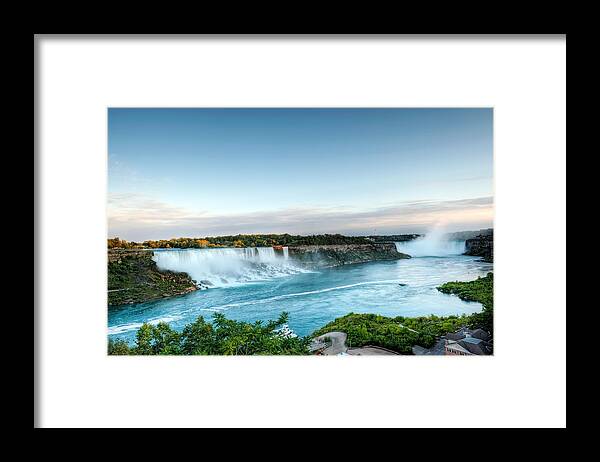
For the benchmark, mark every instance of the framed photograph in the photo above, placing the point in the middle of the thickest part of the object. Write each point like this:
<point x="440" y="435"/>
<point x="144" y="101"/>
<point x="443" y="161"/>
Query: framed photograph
<point x="229" y="223"/>
<point x="300" y="231"/>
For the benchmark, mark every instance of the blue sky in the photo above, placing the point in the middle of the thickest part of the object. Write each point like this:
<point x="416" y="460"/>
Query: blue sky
<point x="202" y="172"/>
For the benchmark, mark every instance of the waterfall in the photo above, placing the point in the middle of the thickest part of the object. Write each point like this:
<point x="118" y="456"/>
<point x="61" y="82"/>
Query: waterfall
<point x="227" y="266"/>
<point x="433" y="244"/>
<point x="265" y="253"/>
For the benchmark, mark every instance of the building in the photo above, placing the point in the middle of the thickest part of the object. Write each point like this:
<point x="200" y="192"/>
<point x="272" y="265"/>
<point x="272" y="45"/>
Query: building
<point x="454" y="348"/>
<point x="466" y="342"/>
<point x="481" y="334"/>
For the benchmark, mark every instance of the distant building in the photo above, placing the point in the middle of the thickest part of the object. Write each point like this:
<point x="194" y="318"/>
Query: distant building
<point x="466" y="342"/>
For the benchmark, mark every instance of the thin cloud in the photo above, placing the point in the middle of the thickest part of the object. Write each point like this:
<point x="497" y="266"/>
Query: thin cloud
<point x="138" y="217"/>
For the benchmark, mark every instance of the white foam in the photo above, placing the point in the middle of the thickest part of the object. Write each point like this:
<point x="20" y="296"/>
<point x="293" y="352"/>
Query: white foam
<point x="300" y="294"/>
<point x="124" y="328"/>
<point x="119" y="329"/>
<point x="229" y="266"/>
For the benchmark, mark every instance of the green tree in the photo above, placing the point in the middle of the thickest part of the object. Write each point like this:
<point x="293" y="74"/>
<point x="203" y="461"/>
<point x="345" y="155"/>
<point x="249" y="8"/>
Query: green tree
<point x="165" y="341"/>
<point x="143" y="340"/>
<point x="222" y="337"/>
<point x="198" y="338"/>
<point x="118" y="347"/>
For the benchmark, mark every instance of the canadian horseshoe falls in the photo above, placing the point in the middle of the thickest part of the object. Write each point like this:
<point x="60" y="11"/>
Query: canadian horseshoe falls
<point x="432" y="245"/>
<point x="251" y="284"/>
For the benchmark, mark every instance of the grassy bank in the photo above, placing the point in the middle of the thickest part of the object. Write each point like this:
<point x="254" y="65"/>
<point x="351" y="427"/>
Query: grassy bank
<point x="480" y="290"/>
<point x="135" y="278"/>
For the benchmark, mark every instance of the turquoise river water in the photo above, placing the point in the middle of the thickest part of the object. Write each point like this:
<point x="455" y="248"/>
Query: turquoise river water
<point x="257" y="284"/>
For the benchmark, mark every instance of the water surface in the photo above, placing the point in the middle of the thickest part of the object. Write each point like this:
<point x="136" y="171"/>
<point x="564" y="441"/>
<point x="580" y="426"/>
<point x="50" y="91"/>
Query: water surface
<point x="266" y="285"/>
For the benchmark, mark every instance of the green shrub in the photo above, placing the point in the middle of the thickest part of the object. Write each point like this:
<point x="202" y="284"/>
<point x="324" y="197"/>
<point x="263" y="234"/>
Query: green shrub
<point x="118" y="347"/>
<point x="221" y="337"/>
<point x="373" y="329"/>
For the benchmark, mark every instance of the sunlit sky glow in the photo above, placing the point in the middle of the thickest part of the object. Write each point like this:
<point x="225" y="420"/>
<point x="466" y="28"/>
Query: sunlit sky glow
<point x="207" y="172"/>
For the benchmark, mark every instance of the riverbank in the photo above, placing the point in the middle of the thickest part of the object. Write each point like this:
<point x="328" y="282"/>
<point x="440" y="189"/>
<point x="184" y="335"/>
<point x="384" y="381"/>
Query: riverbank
<point x="481" y="246"/>
<point x="133" y="277"/>
<point x="480" y="290"/>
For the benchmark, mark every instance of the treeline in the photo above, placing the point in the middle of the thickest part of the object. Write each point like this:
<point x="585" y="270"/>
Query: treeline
<point x="221" y="337"/>
<point x="394" y="237"/>
<point x="239" y="240"/>
<point x="464" y="235"/>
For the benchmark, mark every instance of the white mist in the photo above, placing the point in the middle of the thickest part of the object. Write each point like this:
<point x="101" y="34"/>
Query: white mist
<point x="434" y="244"/>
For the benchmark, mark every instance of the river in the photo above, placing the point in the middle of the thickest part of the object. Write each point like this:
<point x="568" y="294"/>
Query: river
<point x="257" y="284"/>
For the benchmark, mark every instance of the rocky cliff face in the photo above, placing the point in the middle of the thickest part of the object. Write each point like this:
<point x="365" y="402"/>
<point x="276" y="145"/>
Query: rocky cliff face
<point x="464" y="235"/>
<point x="133" y="277"/>
<point x="337" y="255"/>
<point x="117" y="255"/>
<point x="481" y="246"/>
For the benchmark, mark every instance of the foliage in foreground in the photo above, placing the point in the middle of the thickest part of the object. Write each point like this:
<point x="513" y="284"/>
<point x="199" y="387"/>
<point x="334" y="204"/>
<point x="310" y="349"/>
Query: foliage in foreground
<point x="373" y="329"/>
<point x="221" y="337"/>
<point x="400" y="333"/>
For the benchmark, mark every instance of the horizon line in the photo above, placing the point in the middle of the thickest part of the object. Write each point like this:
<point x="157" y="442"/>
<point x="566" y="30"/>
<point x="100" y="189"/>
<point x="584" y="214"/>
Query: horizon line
<point x="301" y="235"/>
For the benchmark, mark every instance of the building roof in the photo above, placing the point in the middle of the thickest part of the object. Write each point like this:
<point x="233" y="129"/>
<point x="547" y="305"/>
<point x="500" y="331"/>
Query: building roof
<point x="475" y="346"/>
<point x="458" y="347"/>
<point x="455" y="335"/>
<point x="481" y="334"/>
